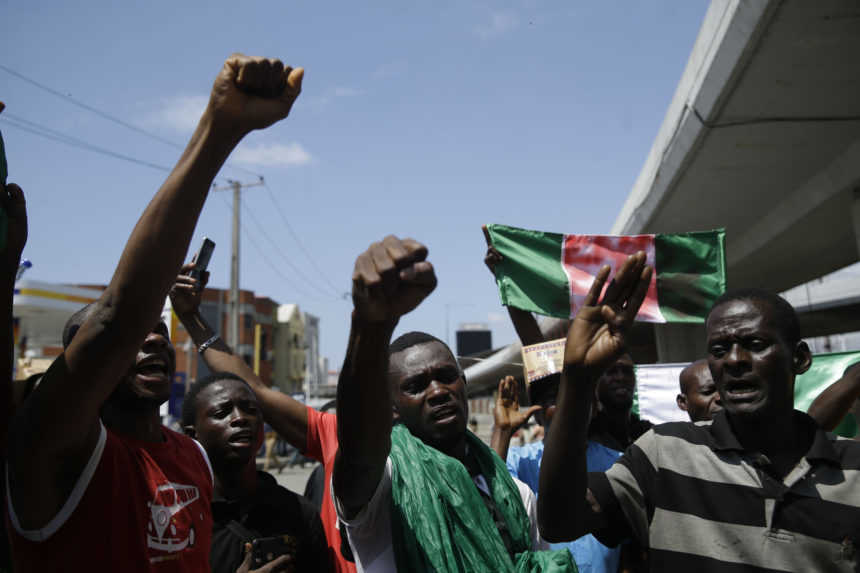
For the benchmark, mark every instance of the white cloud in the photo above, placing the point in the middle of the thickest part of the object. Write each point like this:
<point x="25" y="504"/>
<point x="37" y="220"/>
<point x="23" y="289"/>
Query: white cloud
<point x="273" y="155"/>
<point x="499" y="23"/>
<point x="179" y="114"/>
<point x="493" y="317"/>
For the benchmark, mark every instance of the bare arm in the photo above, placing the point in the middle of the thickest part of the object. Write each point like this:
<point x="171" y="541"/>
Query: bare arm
<point x="832" y="405"/>
<point x="287" y="416"/>
<point x="14" y="205"/>
<point x="566" y="508"/>
<point x="507" y="417"/>
<point x="390" y="279"/>
<point x="57" y="429"/>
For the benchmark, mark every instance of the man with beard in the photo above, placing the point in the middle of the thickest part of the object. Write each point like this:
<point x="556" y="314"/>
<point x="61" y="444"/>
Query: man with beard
<point x="222" y="412"/>
<point x="426" y="494"/>
<point x="761" y="487"/>
<point x="95" y="481"/>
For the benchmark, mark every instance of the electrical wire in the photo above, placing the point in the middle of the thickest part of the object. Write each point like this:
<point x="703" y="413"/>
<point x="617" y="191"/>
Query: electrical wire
<point x="34" y="128"/>
<point x="108" y="116"/>
<point x="265" y="258"/>
<point x="59" y="137"/>
<point x="300" y="243"/>
<point x="278" y="249"/>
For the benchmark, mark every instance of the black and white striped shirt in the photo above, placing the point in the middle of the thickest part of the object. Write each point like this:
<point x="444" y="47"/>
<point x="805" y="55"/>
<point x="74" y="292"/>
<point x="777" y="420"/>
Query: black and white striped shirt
<point x="699" y="502"/>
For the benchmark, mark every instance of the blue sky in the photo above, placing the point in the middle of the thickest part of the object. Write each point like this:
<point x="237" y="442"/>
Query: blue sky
<point x="417" y="119"/>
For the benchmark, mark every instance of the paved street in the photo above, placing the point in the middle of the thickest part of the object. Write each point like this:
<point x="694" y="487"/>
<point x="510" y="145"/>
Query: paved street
<point x="293" y="478"/>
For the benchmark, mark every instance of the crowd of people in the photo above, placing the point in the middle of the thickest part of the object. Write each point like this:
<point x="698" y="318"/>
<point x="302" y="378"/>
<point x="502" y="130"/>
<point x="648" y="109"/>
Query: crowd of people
<point x="94" y="481"/>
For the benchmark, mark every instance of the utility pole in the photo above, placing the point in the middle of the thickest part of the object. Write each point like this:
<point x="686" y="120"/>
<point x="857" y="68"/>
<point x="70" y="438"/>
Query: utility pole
<point x="233" y="338"/>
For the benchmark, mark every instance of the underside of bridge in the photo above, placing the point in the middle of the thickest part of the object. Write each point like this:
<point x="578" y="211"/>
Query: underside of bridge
<point x="762" y="138"/>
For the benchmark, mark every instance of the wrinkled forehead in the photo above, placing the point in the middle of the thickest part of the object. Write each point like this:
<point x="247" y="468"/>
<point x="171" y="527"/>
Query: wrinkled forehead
<point x="421" y="357"/>
<point x="737" y="315"/>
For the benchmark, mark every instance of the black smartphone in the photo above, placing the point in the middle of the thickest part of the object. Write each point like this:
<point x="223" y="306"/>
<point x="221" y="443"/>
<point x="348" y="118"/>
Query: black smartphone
<point x="264" y="549"/>
<point x="201" y="258"/>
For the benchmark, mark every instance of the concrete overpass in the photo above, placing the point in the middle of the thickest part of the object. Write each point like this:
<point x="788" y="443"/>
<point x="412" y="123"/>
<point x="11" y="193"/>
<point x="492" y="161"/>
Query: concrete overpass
<point x="762" y="137"/>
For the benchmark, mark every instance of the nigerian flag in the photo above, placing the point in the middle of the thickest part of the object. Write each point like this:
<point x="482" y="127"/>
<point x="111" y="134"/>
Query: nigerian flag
<point x="550" y="273"/>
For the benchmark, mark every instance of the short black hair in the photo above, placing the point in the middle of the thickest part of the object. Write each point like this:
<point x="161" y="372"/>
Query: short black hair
<point x="73" y="325"/>
<point x="411" y="339"/>
<point x="189" y="403"/>
<point x="784" y="314"/>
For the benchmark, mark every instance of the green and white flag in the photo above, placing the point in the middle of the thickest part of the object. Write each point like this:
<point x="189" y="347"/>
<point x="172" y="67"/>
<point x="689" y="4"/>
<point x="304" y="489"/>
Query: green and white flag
<point x="657" y="385"/>
<point x="550" y="273"/>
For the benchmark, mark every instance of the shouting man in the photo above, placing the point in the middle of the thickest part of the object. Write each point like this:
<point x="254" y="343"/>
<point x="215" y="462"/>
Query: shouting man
<point x="95" y="481"/>
<point x="425" y="495"/>
<point x="761" y="487"/>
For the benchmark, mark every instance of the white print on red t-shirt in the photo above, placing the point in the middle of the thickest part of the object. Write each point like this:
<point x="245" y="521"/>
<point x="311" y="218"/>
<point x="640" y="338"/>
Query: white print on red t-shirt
<point x="171" y="528"/>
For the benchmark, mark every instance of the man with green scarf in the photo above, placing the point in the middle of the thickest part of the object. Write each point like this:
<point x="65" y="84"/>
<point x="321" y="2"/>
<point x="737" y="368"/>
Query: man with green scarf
<point x="423" y="494"/>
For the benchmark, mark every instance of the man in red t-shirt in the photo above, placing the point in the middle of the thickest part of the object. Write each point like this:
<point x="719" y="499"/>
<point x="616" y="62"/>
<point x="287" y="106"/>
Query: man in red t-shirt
<point x="313" y="432"/>
<point x="94" y="481"/>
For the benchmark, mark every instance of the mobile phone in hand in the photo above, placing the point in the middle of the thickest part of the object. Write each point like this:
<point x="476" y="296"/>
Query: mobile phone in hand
<point x="266" y="549"/>
<point x="201" y="258"/>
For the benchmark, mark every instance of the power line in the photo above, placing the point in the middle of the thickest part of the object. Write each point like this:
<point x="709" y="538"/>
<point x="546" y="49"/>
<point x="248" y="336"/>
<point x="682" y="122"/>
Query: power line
<point x="278" y="249"/>
<point x="300" y="243"/>
<point x="107" y="116"/>
<point x="263" y="255"/>
<point x="54" y="135"/>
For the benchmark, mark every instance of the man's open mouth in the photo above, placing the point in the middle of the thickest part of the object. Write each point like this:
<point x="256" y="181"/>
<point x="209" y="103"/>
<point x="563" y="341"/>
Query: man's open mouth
<point x="741" y="390"/>
<point x="153" y="367"/>
<point x="444" y="413"/>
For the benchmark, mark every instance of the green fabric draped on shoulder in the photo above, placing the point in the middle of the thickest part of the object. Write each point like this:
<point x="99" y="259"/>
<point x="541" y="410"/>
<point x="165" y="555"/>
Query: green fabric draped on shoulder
<point x="439" y="522"/>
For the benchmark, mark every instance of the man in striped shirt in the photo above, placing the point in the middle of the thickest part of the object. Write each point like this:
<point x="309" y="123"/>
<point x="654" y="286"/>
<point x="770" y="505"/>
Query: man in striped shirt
<point x="760" y="488"/>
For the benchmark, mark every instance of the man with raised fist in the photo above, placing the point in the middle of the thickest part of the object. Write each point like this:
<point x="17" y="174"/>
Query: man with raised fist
<point x="425" y="494"/>
<point x="95" y="481"/>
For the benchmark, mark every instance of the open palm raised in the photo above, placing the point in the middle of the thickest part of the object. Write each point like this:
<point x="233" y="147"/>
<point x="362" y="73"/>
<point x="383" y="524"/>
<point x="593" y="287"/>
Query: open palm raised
<point x="597" y="334"/>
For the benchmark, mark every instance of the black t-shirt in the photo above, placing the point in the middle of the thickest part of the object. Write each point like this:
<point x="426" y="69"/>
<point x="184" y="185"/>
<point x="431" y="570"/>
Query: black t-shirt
<point x="272" y="510"/>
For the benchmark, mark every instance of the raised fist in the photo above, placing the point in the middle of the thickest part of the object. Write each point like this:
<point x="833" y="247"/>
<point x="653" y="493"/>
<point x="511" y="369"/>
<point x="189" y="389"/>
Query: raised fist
<point x="253" y="93"/>
<point x="390" y="279"/>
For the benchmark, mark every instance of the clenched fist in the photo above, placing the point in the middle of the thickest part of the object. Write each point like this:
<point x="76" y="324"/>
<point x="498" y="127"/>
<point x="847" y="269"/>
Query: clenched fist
<point x="253" y="93"/>
<point x="390" y="279"/>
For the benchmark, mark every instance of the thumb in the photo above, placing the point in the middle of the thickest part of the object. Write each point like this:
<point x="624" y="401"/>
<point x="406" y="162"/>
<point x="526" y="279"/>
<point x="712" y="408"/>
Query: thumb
<point x="245" y="566"/>
<point x="532" y="411"/>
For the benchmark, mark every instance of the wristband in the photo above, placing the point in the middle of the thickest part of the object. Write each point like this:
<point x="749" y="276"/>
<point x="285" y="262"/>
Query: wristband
<point x="202" y="348"/>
